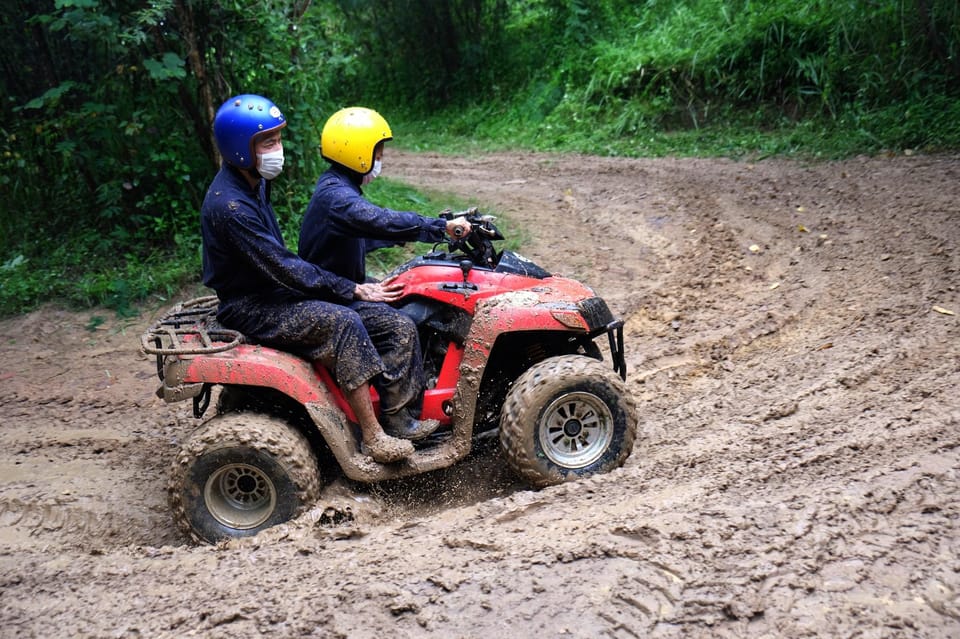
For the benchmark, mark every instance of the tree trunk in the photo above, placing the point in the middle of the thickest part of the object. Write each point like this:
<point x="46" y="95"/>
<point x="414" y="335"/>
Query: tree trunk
<point x="197" y="65"/>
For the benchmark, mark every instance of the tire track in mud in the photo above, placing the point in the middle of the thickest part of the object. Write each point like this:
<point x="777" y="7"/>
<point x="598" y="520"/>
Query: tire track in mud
<point x="767" y="439"/>
<point x="860" y="489"/>
<point x="843" y="553"/>
<point x="766" y="431"/>
<point x="617" y="596"/>
<point x="760" y="547"/>
<point x="621" y="579"/>
<point x="678" y="567"/>
<point x="63" y="445"/>
<point x="69" y="527"/>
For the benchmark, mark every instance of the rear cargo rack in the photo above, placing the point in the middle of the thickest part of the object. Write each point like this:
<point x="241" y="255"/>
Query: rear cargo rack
<point x="189" y="328"/>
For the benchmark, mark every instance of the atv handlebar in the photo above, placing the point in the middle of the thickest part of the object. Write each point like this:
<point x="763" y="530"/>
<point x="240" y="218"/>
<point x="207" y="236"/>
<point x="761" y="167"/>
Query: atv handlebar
<point x="478" y="244"/>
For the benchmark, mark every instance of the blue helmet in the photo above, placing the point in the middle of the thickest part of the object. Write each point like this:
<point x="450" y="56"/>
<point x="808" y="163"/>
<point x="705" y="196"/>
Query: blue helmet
<point x="238" y="121"/>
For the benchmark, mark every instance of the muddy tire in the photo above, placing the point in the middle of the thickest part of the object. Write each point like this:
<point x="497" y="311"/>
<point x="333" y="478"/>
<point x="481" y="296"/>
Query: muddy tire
<point x="567" y="417"/>
<point x="240" y="473"/>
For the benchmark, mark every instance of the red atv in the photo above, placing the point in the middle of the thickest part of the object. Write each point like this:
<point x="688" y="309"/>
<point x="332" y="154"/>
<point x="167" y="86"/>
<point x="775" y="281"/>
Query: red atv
<point x="506" y="345"/>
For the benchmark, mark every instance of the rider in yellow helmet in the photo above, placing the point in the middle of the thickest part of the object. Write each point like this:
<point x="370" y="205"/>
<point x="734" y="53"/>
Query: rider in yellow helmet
<point x="351" y="136"/>
<point x="340" y="227"/>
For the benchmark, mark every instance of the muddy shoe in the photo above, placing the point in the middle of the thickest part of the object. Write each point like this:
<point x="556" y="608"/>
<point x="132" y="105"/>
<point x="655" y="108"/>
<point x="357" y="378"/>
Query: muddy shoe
<point x="386" y="449"/>
<point x="404" y="426"/>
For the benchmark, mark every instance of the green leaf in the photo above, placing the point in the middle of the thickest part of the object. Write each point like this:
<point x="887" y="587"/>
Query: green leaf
<point x="52" y="96"/>
<point x="170" y="66"/>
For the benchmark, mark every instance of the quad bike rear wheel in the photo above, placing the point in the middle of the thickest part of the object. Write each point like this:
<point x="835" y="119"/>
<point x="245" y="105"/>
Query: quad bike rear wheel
<point x="240" y="473"/>
<point x="567" y="417"/>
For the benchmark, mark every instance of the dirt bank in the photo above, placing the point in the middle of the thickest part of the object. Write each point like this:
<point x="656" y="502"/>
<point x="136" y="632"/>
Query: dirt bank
<point x="793" y="339"/>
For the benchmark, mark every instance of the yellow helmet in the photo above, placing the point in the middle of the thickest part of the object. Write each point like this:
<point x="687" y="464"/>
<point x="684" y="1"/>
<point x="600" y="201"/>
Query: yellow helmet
<point x="350" y="136"/>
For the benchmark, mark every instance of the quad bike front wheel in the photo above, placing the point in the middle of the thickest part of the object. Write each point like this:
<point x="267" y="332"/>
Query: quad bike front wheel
<point x="567" y="417"/>
<point x="240" y="473"/>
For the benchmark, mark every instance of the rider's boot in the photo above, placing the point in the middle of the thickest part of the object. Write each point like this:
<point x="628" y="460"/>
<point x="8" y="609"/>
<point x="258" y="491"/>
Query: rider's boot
<point x="405" y="423"/>
<point x="382" y="447"/>
<point x="386" y="449"/>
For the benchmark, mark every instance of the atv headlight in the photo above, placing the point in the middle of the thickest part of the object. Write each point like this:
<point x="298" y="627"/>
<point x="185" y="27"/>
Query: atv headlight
<point x="570" y="319"/>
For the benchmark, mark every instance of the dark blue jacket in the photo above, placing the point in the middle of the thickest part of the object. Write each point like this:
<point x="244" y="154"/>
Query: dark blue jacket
<point x="244" y="254"/>
<point x="340" y="226"/>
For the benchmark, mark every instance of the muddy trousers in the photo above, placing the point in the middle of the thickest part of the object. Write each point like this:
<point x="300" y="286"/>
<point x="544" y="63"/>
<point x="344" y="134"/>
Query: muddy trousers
<point x="363" y="342"/>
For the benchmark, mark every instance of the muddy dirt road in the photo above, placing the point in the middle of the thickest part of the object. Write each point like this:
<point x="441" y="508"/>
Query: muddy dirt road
<point x="793" y="338"/>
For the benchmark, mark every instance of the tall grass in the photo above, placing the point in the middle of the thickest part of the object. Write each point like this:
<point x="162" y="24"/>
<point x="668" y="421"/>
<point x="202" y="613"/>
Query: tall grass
<point x="734" y="78"/>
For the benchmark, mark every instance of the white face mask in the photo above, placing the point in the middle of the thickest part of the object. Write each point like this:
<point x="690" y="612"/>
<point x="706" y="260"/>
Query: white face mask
<point x="270" y="164"/>
<point x="374" y="172"/>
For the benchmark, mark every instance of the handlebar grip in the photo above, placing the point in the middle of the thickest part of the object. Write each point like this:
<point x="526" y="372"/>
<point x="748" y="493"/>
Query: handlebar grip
<point x="458" y="231"/>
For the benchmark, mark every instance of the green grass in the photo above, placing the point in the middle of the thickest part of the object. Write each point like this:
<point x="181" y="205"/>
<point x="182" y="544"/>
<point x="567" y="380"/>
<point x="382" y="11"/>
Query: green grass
<point x="718" y="78"/>
<point x="76" y="273"/>
<point x="928" y="125"/>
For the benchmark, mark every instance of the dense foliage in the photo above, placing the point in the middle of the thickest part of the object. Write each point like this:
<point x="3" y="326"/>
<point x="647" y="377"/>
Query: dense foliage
<point x="723" y="77"/>
<point x="106" y="147"/>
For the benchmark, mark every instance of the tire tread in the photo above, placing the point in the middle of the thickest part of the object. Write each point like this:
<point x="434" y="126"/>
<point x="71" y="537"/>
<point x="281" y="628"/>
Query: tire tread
<point x="257" y="431"/>
<point x="524" y="400"/>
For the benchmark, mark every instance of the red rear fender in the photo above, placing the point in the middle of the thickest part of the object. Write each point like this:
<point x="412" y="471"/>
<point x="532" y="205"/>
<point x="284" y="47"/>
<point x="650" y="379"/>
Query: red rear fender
<point x="248" y="365"/>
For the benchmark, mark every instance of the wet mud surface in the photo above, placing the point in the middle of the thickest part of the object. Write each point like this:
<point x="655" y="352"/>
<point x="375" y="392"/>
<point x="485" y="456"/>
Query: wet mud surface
<point x="793" y="346"/>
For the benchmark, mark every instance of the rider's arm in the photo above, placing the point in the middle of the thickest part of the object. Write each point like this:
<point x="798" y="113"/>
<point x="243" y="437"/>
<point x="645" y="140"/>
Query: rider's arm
<point x="352" y="215"/>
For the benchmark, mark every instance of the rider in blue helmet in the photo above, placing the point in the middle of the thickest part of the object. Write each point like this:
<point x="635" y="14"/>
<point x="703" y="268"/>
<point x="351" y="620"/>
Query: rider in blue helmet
<point x="269" y="293"/>
<point x="241" y="120"/>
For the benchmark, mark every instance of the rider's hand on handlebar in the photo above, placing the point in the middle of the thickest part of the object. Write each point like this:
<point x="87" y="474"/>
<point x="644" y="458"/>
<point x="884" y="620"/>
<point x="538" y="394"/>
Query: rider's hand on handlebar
<point x="458" y="228"/>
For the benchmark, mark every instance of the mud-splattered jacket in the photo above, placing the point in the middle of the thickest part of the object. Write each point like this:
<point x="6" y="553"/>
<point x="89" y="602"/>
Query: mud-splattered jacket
<point x="244" y="255"/>
<point x="340" y="226"/>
